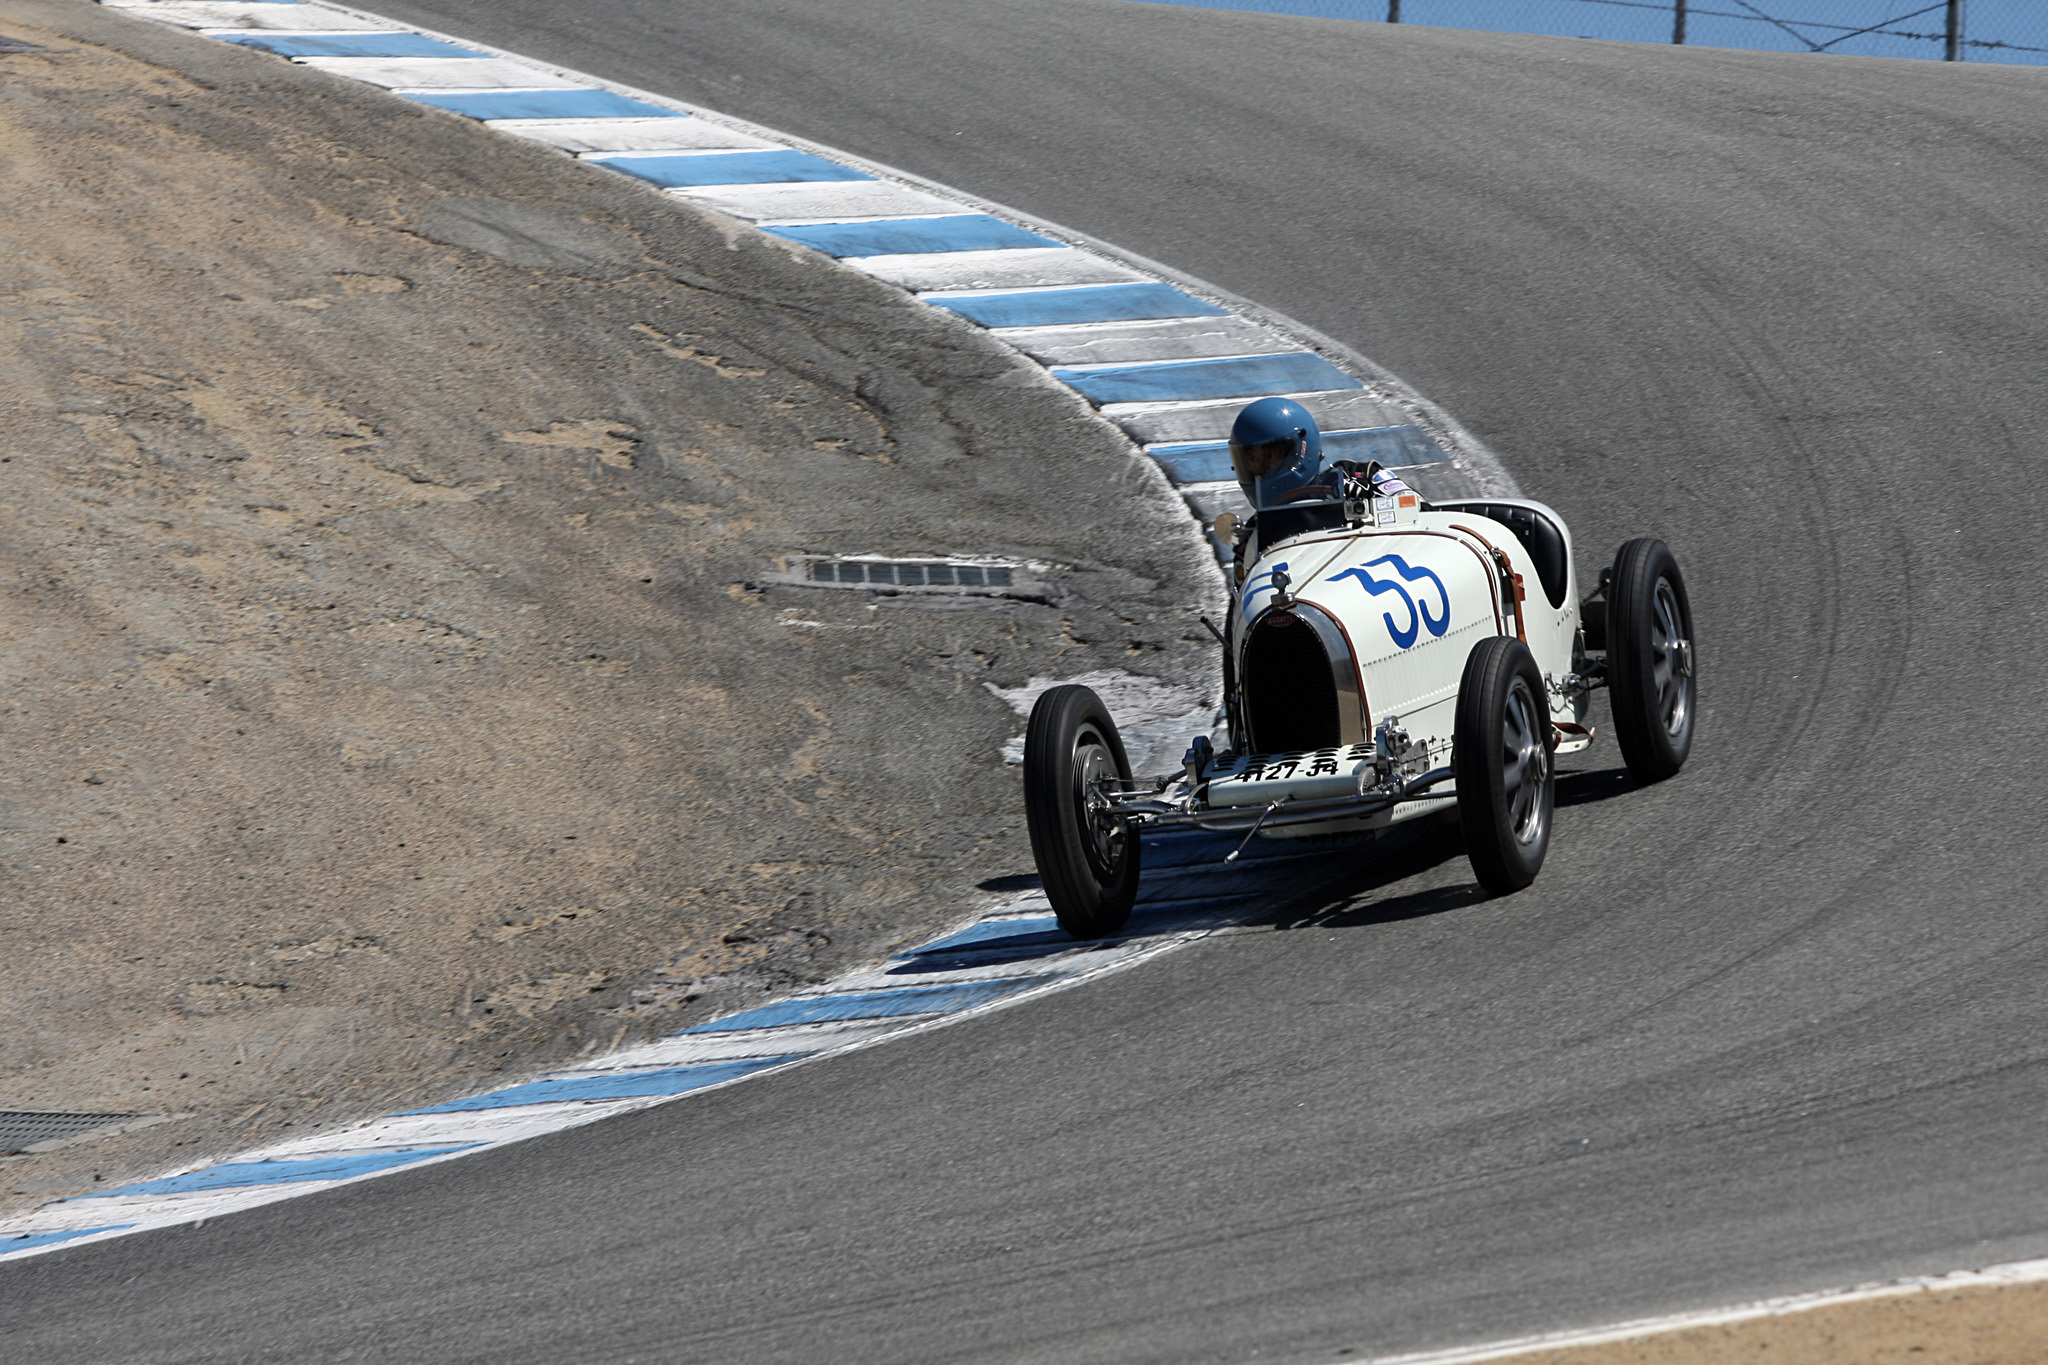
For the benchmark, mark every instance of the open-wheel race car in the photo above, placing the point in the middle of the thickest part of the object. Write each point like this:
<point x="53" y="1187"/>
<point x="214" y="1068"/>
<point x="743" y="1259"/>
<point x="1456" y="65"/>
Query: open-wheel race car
<point x="1386" y="658"/>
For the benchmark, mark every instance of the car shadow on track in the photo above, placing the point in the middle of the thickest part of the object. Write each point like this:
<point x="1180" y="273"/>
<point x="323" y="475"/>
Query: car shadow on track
<point x="1428" y="850"/>
<point x="1585" y="788"/>
<point x="1415" y="851"/>
<point x="1359" y="901"/>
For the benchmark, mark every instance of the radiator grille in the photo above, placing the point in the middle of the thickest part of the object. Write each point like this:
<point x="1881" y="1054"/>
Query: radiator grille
<point x="1290" y="697"/>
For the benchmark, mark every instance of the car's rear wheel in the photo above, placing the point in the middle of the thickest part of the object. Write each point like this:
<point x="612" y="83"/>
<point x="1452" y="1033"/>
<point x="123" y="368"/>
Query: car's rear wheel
<point x="1501" y="755"/>
<point x="1650" y="674"/>
<point x="1087" y="855"/>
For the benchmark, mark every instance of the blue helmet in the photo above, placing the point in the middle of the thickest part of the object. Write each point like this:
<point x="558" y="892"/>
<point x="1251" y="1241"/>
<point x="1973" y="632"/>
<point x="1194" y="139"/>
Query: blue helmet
<point x="1276" y="451"/>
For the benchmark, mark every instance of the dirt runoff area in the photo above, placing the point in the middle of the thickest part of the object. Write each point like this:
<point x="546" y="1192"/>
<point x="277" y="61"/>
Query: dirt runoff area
<point x="394" y="696"/>
<point x="1930" y="1323"/>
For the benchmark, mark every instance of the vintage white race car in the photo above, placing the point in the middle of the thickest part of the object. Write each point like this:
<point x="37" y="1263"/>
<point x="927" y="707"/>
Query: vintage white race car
<point x="1385" y="659"/>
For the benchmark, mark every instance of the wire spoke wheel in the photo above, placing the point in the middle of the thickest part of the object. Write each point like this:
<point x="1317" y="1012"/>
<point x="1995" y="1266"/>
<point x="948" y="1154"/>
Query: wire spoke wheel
<point x="1095" y="777"/>
<point x="1087" y="854"/>
<point x="1525" y="763"/>
<point x="1669" y="665"/>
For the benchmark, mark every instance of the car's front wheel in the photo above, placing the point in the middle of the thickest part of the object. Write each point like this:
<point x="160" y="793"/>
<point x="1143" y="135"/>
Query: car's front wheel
<point x="1501" y="754"/>
<point x="1087" y="854"/>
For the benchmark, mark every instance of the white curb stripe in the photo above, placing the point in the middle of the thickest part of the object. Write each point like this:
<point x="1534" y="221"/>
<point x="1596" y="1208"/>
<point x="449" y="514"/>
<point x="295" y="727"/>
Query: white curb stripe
<point x="583" y="137"/>
<point x="440" y="73"/>
<point x="715" y="144"/>
<point x="1168" y="423"/>
<point x="1120" y="343"/>
<point x="1006" y="269"/>
<point x="853" y="198"/>
<point x="1097" y="366"/>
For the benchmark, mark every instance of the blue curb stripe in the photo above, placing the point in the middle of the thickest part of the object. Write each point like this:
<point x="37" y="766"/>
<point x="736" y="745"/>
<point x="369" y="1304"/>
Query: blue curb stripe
<point x="43" y="1239"/>
<point x="997" y="933"/>
<point x="489" y="104"/>
<point x="1199" y="463"/>
<point x="1394" y="447"/>
<point x="239" y="1173"/>
<point x="350" y="45"/>
<point x="899" y="236"/>
<point x="1242" y="377"/>
<point x="732" y="168"/>
<point x="821" y="1009"/>
<point x="618" y="1085"/>
<point x="1052" y="307"/>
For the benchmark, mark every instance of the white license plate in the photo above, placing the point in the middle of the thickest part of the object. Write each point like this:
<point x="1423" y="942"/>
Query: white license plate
<point x="1257" y="779"/>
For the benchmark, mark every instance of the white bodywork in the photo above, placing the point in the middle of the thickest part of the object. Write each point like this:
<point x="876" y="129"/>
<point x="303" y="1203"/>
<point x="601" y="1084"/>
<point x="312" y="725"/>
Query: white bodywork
<point x="1398" y="608"/>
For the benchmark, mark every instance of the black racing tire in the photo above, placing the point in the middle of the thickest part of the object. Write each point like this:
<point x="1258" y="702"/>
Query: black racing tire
<point x="1502" y="754"/>
<point x="1087" y="859"/>
<point x="1651" y="683"/>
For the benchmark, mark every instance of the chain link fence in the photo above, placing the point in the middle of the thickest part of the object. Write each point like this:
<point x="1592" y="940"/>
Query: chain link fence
<point x="1946" y="30"/>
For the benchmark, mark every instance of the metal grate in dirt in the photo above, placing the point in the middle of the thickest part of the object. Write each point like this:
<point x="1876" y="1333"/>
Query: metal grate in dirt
<point x="910" y="574"/>
<point x="20" y="1131"/>
<point x="872" y="573"/>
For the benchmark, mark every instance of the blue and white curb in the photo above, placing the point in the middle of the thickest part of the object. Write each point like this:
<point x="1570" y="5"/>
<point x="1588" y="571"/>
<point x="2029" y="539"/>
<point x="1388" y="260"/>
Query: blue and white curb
<point x="1166" y="358"/>
<point x="1013" y="954"/>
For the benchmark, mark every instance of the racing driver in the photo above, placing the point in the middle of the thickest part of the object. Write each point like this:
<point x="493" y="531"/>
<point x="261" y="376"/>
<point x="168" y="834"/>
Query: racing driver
<point x="1277" y="453"/>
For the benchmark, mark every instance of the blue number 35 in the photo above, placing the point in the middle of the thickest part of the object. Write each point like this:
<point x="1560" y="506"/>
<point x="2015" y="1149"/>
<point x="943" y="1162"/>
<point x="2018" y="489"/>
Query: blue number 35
<point x="1418" y="617"/>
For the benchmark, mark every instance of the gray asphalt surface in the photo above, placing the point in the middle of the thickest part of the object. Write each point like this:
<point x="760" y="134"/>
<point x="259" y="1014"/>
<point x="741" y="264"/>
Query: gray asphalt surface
<point x="1773" y="1025"/>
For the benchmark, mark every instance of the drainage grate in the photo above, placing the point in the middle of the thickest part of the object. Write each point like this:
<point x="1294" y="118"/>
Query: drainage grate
<point x="915" y="577"/>
<point x="911" y="574"/>
<point x="21" y="1131"/>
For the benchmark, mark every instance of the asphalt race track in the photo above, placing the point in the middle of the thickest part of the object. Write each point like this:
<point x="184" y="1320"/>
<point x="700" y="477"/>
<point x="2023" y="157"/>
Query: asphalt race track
<point x="1775" y="1025"/>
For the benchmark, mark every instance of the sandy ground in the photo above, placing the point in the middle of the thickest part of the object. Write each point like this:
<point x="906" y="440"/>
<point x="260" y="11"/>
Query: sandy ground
<point x="391" y="694"/>
<point x="1985" y="1325"/>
